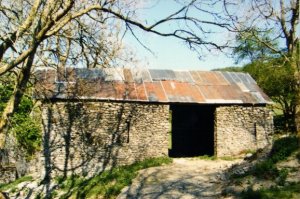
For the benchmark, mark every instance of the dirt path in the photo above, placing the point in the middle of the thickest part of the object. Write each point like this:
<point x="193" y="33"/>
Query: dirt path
<point x="184" y="179"/>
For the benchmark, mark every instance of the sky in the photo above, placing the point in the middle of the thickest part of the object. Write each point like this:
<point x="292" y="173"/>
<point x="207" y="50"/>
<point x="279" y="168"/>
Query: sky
<point x="171" y="53"/>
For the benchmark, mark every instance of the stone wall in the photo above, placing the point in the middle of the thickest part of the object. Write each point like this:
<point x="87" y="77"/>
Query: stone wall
<point x="86" y="138"/>
<point x="242" y="128"/>
<point x="7" y="174"/>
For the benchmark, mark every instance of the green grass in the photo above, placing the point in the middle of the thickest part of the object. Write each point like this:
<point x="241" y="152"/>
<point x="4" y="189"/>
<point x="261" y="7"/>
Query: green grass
<point x="291" y="191"/>
<point x="12" y="185"/>
<point x="228" y="158"/>
<point x="281" y="150"/>
<point x="207" y="157"/>
<point x="109" y="183"/>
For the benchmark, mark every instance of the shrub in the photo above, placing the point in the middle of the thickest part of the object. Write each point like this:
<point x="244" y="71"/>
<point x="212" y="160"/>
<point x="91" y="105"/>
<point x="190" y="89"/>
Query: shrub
<point x="283" y="124"/>
<point x="282" y="175"/>
<point x="25" y="129"/>
<point x="251" y="194"/>
<point x="283" y="148"/>
<point x="298" y="156"/>
<point x="28" y="133"/>
<point x="286" y="192"/>
<point x="266" y="170"/>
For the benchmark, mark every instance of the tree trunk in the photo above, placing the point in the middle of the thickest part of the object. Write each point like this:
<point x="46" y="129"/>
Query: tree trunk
<point x="297" y="76"/>
<point x="15" y="99"/>
<point x="297" y="116"/>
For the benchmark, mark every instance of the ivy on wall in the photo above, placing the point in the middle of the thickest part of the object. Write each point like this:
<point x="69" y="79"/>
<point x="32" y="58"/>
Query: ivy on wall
<point x="23" y="126"/>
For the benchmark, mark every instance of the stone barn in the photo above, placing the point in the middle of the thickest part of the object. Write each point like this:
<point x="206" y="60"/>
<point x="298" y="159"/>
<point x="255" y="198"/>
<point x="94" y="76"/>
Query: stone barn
<point x="97" y="118"/>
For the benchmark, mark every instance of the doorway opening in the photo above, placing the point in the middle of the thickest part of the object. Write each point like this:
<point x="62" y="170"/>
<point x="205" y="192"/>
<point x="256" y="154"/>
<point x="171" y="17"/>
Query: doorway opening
<point x="192" y="130"/>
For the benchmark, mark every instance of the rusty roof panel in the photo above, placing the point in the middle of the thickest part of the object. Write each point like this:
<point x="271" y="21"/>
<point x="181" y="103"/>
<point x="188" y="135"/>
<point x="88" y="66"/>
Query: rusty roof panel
<point x="197" y="79"/>
<point x="182" y="92"/>
<point x="248" y="98"/>
<point x="116" y="91"/>
<point x="155" y="92"/>
<point x="125" y="91"/>
<point x="221" y="79"/>
<point x="149" y="85"/>
<point x="209" y="92"/>
<point x="106" y="90"/>
<point x="231" y="92"/>
<point x="141" y="92"/>
<point x="225" y="92"/>
<point x="208" y="78"/>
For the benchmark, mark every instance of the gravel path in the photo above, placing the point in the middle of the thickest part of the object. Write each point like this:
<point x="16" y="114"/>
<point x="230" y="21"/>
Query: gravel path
<point x="184" y="179"/>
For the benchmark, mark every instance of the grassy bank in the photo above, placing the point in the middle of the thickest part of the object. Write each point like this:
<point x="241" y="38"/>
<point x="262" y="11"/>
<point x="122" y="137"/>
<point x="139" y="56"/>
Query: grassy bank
<point x="107" y="184"/>
<point x="270" y="172"/>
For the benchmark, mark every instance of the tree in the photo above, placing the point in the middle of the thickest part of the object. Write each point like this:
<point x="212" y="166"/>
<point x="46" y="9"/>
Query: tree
<point x="248" y="48"/>
<point x="273" y="74"/>
<point x="276" y="78"/>
<point x="59" y="33"/>
<point x="279" y="20"/>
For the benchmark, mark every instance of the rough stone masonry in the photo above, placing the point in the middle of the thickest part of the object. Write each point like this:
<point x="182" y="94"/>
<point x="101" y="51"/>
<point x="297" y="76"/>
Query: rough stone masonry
<point x="239" y="129"/>
<point x="87" y="137"/>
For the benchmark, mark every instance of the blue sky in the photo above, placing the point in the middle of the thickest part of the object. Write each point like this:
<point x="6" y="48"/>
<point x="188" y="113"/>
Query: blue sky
<point x="170" y="53"/>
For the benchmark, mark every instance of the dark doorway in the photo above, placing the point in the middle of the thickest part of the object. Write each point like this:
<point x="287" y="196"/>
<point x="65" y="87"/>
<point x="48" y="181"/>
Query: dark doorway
<point x="192" y="130"/>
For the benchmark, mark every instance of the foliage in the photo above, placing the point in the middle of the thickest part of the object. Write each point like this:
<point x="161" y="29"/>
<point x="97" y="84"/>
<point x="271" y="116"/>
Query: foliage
<point x="6" y="89"/>
<point x="206" y="157"/>
<point x="298" y="156"/>
<point x="282" y="124"/>
<point x="26" y="130"/>
<point x="12" y="185"/>
<point x="251" y="194"/>
<point x="276" y="78"/>
<point x="28" y="133"/>
<point x="267" y="169"/>
<point x="107" y="184"/>
<point x="248" y="47"/>
<point x="283" y="148"/>
<point x="286" y="192"/>
<point x="282" y="175"/>
<point x="267" y="39"/>
<point x="230" y="69"/>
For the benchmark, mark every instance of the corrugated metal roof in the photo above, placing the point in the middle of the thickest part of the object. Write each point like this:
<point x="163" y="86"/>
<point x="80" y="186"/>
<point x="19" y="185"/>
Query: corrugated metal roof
<point x="140" y="84"/>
